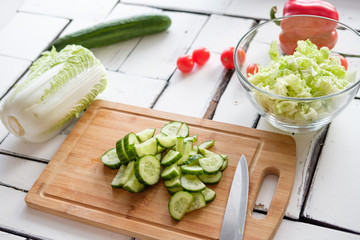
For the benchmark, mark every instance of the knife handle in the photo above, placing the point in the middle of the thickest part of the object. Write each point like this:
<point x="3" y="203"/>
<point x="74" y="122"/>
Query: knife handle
<point x="265" y="228"/>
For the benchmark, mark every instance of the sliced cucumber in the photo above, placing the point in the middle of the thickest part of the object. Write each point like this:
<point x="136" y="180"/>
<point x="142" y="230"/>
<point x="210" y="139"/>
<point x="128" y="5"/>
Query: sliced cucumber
<point x="170" y="158"/>
<point x="147" y="170"/>
<point x="193" y="160"/>
<point x="191" y="138"/>
<point x="125" y="148"/>
<point x="211" y="179"/>
<point x="149" y="147"/>
<point x="175" y="129"/>
<point x="209" y="194"/>
<point x="145" y="134"/>
<point x="173" y="190"/>
<point x="211" y="164"/>
<point x="206" y="152"/>
<point x="116" y="182"/>
<point x="172" y="183"/>
<point x="192" y="170"/>
<point x="194" y="151"/>
<point x="179" y="144"/>
<point x="110" y="159"/>
<point x="158" y="156"/>
<point x="171" y="172"/>
<point x="191" y="183"/>
<point x="179" y="203"/>
<point x="133" y="185"/>
<point x="207" y="144"/>
<point x="185" y="152"/>
<point x="166" y="141"/>
<point x="225" y="164"/>
<point x="129" y="171"/>
<point x="197" y="203"/>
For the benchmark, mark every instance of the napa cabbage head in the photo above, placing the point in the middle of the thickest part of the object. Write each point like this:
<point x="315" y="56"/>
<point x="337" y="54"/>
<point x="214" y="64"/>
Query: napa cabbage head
<point x="309" y="72"/>
<point x="57" y="88"/>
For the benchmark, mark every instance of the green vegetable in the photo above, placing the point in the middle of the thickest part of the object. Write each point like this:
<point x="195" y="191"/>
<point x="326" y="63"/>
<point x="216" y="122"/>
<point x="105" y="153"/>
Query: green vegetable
<point x="58" y="87"/>
<point x="308" y="73"/>
<point x="114" y="31"/>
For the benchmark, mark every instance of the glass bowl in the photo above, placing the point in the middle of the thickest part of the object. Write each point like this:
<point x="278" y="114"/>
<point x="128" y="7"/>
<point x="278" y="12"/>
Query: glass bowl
<point x="299" y="114"/>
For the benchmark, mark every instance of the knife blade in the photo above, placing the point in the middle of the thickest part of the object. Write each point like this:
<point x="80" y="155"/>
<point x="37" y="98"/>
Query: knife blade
<point x="235" y="212"/>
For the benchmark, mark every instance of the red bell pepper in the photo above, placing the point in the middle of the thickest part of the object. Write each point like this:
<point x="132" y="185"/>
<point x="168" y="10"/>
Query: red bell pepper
<point x="320" y="31"/>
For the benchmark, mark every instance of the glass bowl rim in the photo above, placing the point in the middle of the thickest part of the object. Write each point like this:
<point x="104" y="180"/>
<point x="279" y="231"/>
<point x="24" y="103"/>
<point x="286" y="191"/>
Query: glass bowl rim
<point x="304" y="99"/>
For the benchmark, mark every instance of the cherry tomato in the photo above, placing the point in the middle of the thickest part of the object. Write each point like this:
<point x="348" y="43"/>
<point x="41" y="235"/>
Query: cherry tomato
<point x="185" y="63"/>
<point x="251" y="69"/>
<point x="201" y="55"/>
<point x="343" y="61"/>
<point x="227" y="57"/>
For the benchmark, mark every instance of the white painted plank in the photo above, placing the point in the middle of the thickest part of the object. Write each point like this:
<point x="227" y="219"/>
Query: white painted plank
<point x="19" y="172"/>
<point x="305" y="144"/>
<point x="300" y="231"/>
<point x="17" y="216"/>
<point x="234" y="107"/>
<point x="8" y="236"/>
<point x="14" y="69"/>
<point x="190" y="94"/>
<point x="43" y="151"/>
<point x="219" y="34"/>
<point x="133" y="90"/>
<point x="155" y="56"/>
<point x="258" y="10"/>
<point x="334" y="193"/>
<point x="27" y="35"/>
<point x="69" y="8"/>
<point x="203" y="6"/>
<point x="8" y="9"/>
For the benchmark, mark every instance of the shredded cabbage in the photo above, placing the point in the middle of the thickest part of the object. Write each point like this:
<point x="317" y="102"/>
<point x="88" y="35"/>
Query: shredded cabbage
<point x="309" y="72"/>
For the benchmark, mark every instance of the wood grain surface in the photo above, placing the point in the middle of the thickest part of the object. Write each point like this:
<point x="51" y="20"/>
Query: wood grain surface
<point x="76" y="185"/>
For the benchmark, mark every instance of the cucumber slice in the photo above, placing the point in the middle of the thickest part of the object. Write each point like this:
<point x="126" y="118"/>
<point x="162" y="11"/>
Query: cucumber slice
<point x="125" y="148"/>
<point x="147" y="170"/>
<point x="129" y="171"/>
<point x="175" y="129"/>
<point x="185" y="152"/>
<point x="149" y="147"/>
<point x="191" y="138"/>
<point x="211" y="164"/>
<point x="145" y="134"/>
<point x="207" y="144"/>
<point x="173" y="190"/>
<point x="191" y="183"/>
<point x="133" y="185"/>
<point x="179" y="203"/>
<point x="171" y="172"/>
<point x="192" y="170"/>
<point x="225" y="164"/>
<point x="206" y="152"/>
<point x="197" y="203"/>
<point x="193" y="160"/>
<point x="110" y="159"/>
<point x="194" y="151"/>
<point x="158" y="156"/>
<point x="170" y="158"/>
<point x="179" y="144"/>
<point x="166" y="141"/>
<point x="116" y="182"/>
<point x="211" y="179"/>
<point x="172" y="183"/>
<point x="209" y="194"/>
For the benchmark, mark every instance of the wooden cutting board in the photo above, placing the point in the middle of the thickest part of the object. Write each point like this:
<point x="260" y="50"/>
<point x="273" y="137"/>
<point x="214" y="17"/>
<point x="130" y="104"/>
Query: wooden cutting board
<point x="76" y="185"/>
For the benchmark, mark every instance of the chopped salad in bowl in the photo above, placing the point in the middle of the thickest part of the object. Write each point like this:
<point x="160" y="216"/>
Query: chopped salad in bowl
<point x="300" y="92"/>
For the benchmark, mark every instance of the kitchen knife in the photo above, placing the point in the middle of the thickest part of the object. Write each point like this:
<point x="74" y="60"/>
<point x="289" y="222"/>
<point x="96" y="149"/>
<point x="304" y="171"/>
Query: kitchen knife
<point x="235" y="212"/>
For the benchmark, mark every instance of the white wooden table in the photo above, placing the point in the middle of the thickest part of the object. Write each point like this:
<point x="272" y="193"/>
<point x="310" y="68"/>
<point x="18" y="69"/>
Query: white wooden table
<point x="325" y="199"/>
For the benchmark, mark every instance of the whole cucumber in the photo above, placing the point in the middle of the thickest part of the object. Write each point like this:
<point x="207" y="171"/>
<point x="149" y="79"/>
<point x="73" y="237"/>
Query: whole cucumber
<point x="107" y="33"/>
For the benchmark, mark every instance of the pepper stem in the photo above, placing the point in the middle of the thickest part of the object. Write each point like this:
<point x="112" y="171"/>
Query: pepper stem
<point x="273" y="11"/>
